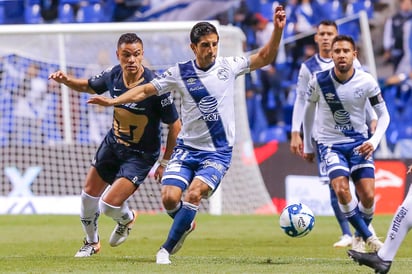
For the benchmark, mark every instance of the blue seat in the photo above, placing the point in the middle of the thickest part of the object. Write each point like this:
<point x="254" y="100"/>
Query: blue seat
<point x="13" y="12"/>
<point x="90" y="13"/>
<point x="365" y="5"/>
<point x="32" y="14"/>
<point x="1" y="13"/>
<point x="66" y="13"/>
<point x="334" y="9"/>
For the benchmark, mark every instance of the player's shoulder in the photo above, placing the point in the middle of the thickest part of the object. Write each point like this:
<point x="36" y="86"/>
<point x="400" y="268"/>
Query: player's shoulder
<point x="364" y="75"/>
<point x="148" y="74"/>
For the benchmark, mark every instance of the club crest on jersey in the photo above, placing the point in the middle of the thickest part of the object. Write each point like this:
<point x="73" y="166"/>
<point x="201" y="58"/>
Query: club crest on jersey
<point x="359" y="93"/>
<point x="223" y="74"/>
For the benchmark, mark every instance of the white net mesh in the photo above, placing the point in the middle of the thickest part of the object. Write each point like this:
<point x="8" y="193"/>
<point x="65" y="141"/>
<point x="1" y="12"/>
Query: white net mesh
<point x="48" y="134"/>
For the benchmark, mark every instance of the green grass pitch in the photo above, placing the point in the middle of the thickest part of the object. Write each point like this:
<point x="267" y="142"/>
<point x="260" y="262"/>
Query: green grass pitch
<point x="220" y="244"/>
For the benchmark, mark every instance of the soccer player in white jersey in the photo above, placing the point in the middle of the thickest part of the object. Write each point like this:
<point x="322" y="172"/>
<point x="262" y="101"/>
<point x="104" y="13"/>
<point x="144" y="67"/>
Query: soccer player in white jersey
<point x="326" y="31"/>
<point x="400" y="226"/>
<point x="204" y="150"/>
<point x="339" y="96"/>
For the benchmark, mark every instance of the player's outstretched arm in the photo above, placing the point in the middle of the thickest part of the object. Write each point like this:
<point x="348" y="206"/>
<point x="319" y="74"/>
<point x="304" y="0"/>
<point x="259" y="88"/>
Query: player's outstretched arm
<point x="81" y="85"/>
<point x="267" y="53"/>
<point x="136" y="94"/>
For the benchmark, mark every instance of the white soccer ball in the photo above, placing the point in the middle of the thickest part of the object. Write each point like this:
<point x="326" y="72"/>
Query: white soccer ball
<point x="297" y="220"/>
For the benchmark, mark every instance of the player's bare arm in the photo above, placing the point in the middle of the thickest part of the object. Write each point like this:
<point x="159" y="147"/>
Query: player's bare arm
<point x="409" y="169"/>
<point x="136" y="94"/>
<point x="267" y="54"/>
<point x="80" y="85"/>
<point x="174" y="130"/>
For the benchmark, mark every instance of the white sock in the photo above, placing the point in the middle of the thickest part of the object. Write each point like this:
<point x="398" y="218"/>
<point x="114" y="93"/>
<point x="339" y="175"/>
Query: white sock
<point x="120" y="214"/>
<point x="400" y="226"/>
<point x="89" y="214"/>
<point x="350" y="206"/>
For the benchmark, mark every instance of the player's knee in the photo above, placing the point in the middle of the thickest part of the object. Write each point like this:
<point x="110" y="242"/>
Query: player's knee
<point x="171" y="196"/>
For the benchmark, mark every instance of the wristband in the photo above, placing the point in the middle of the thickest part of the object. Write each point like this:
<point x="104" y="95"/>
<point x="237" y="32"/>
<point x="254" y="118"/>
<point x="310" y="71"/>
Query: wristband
<point x="402" y="77"/>
<point x="163" y="162"/>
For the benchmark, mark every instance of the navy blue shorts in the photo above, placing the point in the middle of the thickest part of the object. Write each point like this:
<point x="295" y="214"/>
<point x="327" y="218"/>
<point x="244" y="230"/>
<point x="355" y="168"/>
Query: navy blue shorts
<point x="114" y="160"/>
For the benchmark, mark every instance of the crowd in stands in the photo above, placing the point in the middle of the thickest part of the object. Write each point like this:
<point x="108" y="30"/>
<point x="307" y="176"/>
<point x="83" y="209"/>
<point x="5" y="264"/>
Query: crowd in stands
<point x="269" y="91"/>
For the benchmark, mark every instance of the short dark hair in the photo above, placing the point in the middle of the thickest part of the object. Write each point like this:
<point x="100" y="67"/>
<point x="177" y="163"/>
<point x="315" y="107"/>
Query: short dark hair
<point x="344" y="38"/>
<point x="202" y="29"/>
<point x="129" y="38"/>
<point x="328" y="23"/>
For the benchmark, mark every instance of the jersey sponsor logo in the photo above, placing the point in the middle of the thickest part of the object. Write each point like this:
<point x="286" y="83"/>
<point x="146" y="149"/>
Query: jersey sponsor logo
<point x="191" y="81"/>
<point x="196" y="88"/>
<point x="134" y="106"/>
<point x="208" y="107"/>
<point x="167" y="101"/>
<point x="215" y="165"/>
<point x="329" y="96"/>
<point x="165" y="74"/>
<point x="331" y="158"/>
<point x="208" y="104"/>
<point x="342" y="119"/>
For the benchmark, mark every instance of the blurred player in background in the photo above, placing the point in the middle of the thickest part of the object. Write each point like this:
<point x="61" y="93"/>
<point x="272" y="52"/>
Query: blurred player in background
<point x="131" y="147"/>
<point x="326" y="31"/>
<point x="339" y="97"/>
<point x="401" y="224"/>
<point x="204" y="151"/>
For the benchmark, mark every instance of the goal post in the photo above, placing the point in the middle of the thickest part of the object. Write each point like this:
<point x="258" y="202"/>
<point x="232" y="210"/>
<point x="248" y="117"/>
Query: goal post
<point x="49" y="134"/>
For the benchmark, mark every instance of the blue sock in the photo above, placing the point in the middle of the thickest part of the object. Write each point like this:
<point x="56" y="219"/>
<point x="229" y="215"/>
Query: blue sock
<point x="183" y="218"/>
<point x="340" y="217"/>
<point x="355" y="218"/>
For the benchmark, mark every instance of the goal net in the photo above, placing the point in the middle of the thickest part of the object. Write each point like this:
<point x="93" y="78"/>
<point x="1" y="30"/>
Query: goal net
<point x="48" y="134"/>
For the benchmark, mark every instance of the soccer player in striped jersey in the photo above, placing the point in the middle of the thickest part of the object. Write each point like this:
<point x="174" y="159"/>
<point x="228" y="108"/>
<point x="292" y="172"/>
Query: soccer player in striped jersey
<point x="130" y="148"/>
<point x="339" y="96"/>
<point x="204" y="150"/>
<point x="326" y="31"/>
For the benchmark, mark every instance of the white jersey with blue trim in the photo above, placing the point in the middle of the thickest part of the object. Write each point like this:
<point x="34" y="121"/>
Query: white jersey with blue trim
<point x="341" y="106"/>
<point x="307" y="70"/>
<point x="207" y="107"/>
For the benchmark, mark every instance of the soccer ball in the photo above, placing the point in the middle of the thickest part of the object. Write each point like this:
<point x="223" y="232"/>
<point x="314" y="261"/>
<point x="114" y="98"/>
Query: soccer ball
<point x="297" y="220"/>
